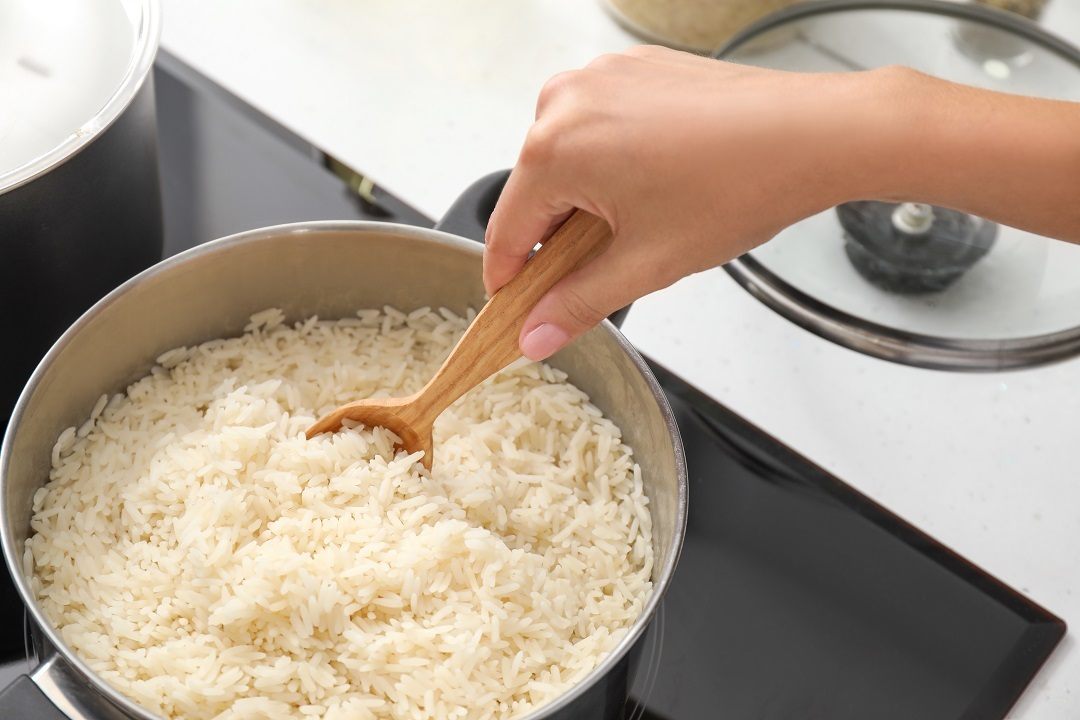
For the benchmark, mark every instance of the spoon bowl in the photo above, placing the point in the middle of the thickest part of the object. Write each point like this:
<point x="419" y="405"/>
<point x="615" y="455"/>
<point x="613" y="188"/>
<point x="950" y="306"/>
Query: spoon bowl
<point x="488" y="345"/>
<point x="400" y="416"/>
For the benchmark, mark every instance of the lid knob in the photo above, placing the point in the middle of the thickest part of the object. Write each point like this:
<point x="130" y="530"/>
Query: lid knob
<point x="913" y="218"/>
<point x="912" y="247"/>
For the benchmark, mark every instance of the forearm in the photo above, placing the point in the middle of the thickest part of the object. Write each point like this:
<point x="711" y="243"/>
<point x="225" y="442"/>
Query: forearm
<point x="1011" y="159"/>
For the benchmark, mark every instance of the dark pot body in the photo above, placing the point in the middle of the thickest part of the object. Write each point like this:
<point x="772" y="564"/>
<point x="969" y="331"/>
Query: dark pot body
<point x="70" y="236"/>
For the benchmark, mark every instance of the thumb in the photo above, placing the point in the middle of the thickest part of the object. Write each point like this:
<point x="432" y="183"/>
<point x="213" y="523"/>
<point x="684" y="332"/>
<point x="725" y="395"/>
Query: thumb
<point x="583" y="298"/>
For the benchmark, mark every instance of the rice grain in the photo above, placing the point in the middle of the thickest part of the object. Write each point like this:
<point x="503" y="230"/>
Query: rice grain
<point x="210" y="562"/>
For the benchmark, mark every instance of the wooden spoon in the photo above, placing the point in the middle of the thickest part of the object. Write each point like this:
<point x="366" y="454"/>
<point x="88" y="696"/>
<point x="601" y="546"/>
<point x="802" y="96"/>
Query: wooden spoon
<point x="489" y="344"/>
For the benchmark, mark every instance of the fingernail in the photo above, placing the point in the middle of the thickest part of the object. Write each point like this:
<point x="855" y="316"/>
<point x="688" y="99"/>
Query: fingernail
<point x="543" y="340"/>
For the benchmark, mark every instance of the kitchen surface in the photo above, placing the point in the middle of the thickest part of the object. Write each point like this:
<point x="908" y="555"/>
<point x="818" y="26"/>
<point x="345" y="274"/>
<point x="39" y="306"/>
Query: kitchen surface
<point x="980" y="461"/>
<point x="865" y="531"/>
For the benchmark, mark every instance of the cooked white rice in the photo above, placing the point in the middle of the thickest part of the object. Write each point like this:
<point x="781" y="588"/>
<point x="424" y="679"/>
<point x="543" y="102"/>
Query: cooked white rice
<point x="210" y="562"/>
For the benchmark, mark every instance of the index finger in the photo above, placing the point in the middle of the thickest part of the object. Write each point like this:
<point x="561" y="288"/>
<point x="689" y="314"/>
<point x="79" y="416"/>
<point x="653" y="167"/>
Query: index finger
<point x="521" y="219"/>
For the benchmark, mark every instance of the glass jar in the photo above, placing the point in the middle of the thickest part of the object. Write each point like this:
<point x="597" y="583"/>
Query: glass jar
<point x="699" y="25"/>
<point x="979" y="43"/>
<point x="1031" y="9"/>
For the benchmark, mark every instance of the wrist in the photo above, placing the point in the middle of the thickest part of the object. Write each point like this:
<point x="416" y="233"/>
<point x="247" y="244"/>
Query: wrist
<point x="911" y="146"/>
<point x="855" y="132"/>
<point x="885" y="134"/>
<point x="1005" y="157"/>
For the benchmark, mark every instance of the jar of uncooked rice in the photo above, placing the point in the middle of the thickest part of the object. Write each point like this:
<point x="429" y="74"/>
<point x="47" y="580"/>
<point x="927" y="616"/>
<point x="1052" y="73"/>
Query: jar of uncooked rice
<point x="1031" y="9"/>
<point x="701" y="25"/>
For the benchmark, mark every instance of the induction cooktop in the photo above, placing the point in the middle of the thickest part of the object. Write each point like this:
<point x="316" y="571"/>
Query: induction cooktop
<point x="796" y="597"/>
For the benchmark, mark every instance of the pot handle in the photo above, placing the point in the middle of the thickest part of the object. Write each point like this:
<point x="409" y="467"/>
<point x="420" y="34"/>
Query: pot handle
<point x="469" y="214"/>
<point x="53" y="691"/>
<point x="468" y="217"/>
<point x="24" y="699"/>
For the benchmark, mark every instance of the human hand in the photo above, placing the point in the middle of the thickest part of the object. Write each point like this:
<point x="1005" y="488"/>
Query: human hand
<point x="691" y="162"/>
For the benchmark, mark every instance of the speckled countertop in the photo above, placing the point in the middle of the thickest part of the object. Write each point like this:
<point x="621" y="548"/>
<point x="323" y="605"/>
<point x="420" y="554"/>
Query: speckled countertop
<point x="424" y="96"/>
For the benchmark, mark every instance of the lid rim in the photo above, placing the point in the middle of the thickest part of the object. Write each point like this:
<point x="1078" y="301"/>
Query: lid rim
<point x="147" y="39"/>
<point x="926" y="351"/>
<point x="1001" y="19"/>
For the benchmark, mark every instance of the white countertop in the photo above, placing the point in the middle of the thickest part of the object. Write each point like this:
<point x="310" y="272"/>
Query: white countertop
<point x="425" y="96"/>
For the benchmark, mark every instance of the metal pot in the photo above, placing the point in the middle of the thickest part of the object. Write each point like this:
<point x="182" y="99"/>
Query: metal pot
<point x="85" y="215"/>
<point x="329" y="269"/>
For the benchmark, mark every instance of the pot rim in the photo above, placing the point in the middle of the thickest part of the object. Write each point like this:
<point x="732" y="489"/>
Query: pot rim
<point x="13" y="555"/>
<point x="147" y="26"/>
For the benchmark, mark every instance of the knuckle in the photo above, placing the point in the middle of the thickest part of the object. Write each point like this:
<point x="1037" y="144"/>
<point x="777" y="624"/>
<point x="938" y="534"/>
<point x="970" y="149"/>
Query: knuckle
<point x="540" y="144"/>
<point x="492" y="239"/>
<point x="607" y="61"/>
<point x="556" y="86"/>
<point x="498" y="243"/>
<point x="582" y="312"/>
<point x="645" y="51"/>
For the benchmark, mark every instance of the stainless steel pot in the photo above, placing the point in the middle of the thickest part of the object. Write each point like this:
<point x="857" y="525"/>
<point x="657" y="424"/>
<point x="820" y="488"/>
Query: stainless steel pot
<point x="329" y="269"/>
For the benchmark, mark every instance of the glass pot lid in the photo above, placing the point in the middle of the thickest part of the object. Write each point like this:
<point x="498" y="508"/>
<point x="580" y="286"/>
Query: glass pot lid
<point x="67" y="71"/>
<point x="912" y="283"/>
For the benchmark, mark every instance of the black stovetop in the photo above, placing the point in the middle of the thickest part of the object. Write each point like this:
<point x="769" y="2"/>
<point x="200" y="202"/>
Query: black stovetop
<point x="796" y="597"/>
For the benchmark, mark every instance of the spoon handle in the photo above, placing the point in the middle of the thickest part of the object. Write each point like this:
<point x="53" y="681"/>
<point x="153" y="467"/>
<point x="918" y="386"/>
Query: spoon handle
<point x="491" y="341"/>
